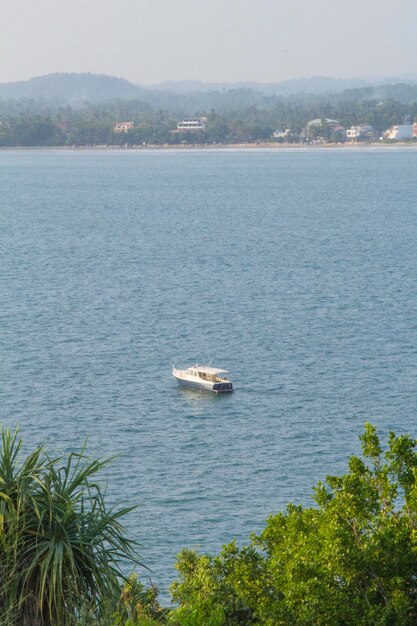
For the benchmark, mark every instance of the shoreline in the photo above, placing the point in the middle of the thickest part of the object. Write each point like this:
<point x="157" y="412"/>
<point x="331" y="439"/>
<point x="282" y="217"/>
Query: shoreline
<point x="236" y="146"/>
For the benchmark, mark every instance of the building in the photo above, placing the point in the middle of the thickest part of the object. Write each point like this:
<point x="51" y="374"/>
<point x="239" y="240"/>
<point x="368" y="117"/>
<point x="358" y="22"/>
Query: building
<point x="192" y="124"/>
<point x="360" y="132"/>
<point x="123" y="127"/>
<point x="320" y="121"/>
<point x="281" y="134"/>
<point x="323" y="130"/>
<point x="400" y="131"/>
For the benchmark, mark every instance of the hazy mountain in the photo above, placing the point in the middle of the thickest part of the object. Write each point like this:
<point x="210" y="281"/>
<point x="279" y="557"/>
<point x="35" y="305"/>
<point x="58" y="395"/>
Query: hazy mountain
<point x="71" y="87"/>
<point x="194" y="97"/>
<point x="315" y="85"/>
<point x="401" y="92"/>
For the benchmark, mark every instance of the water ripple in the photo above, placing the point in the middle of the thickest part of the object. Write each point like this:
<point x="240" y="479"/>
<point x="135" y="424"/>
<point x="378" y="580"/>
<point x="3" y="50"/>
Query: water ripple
<point x="295" y="270"/>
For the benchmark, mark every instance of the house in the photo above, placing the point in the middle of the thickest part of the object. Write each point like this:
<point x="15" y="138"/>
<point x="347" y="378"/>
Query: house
<point x="192" y="124"/>
<point x="320" y="121"/>
<point x="123" y="127"/>
<point x="281" y="134"/>
<point x="323" y="130"/>
<point x="400" y="131"/>
<point x="362" y="131"/>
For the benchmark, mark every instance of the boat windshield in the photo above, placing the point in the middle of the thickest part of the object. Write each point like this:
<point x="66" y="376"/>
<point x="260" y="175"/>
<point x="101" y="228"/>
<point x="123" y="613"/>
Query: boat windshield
<point x="207" y="376"/>
<point x="213" y="378"/>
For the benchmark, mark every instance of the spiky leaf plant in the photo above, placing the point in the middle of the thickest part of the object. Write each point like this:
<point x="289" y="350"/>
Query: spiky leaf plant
<point x="61" y="546"/>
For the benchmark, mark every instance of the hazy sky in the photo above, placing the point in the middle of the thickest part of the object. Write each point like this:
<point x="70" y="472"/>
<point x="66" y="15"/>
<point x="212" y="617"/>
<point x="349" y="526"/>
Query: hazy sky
<point x="148" y="41"/>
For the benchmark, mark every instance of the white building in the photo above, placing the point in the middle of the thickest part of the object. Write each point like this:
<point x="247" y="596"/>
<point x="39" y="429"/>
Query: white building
<point x="281" y="134"/>
<point x="192" y="124"/>
<point x="400" y="131"/>
<point x="362" y="131"/>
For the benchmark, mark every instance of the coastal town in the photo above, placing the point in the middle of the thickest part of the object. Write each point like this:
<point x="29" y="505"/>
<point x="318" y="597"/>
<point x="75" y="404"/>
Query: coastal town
<point x="325" y="130"/>
<point x="200" y="131"/>
<point x="317" y="131"/>
<point x="72" y="110"/>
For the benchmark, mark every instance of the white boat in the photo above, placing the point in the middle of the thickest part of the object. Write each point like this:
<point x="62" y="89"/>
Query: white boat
<point x="204" y="378"/>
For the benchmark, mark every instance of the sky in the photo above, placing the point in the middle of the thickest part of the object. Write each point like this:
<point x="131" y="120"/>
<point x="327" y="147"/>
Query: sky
<point x="150" y="41"/>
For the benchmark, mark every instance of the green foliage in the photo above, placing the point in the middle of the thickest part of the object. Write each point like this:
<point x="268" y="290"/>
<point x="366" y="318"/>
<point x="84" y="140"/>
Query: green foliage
<point x="238" y="115"/>
<point x="60" y="546"/>
<point x="139" y="606"/>
<point x="350" y="560"/>
<point x="206" y="589"/>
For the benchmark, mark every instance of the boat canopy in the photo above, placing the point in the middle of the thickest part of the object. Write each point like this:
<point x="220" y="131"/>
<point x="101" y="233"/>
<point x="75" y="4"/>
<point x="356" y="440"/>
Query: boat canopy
<point x="207" y="369"/>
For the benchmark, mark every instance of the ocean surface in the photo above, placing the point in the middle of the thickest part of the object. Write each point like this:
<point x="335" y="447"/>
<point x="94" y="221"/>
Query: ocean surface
<point x="294" y="269"/>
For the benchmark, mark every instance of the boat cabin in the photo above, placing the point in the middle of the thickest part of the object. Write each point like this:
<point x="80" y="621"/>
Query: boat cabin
<point x="209" y="374"/>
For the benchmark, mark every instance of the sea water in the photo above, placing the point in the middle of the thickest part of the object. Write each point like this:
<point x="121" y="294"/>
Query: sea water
<point x="294" y="269"/>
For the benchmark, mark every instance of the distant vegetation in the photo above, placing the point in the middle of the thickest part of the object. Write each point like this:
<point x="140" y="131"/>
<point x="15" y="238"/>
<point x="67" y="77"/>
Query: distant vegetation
<point x="82" y="109"/>
<point x="348" y="560"/>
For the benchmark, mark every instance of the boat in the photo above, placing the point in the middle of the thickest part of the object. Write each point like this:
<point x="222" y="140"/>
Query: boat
<point x="203" y="378"/>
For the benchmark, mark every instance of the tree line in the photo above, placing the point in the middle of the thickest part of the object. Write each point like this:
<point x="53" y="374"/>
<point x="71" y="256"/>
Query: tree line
<point x="349" y="559"/>
<point x="32" y="123"/>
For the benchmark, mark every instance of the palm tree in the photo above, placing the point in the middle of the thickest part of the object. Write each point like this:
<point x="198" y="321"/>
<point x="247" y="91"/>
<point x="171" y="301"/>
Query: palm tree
<point x="61" y="547"/>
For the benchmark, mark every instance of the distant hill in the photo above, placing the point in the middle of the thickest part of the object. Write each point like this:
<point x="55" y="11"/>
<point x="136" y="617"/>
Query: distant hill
<point x="70" y="88"/>
<point x="65" y="87"/>
<point x="401" y="92"/>
<point x="315" y="85"/>
<point x="194" y="97"/>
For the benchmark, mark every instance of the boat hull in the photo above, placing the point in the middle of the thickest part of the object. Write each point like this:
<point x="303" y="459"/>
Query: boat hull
<point x="205" y="386"/>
